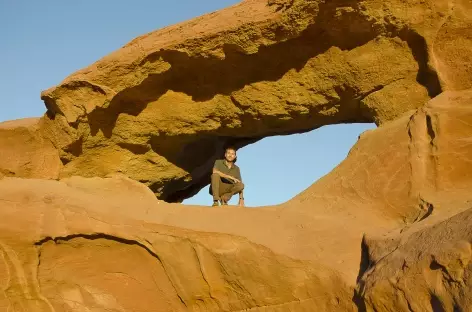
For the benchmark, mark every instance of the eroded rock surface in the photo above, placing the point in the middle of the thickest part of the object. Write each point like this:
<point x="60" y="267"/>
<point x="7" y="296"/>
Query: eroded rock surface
<point x="427" y="268"/>
<point x="79" y="245"/>
<point x="387" y="230"/>
<point x="161" y="108"/>
<point x="26" y="152"/>
<point x="401" y="196"/>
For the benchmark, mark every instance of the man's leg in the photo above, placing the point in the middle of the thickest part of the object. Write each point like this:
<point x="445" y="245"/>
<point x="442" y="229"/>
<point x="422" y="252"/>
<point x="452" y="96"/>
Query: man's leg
<point x="215" y="186"/>
<point x="225" y="192"/>
<point x="233" y="189"/>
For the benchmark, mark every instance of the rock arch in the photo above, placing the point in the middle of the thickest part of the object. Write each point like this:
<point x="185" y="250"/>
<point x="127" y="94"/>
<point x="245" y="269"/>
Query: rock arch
<point x="253" y="70"/>
<point x="161" y="108"/>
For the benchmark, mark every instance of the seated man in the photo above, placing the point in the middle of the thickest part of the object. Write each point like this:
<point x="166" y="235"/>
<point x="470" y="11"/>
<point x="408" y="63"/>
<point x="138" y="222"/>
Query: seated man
<point x="226" y="179"/>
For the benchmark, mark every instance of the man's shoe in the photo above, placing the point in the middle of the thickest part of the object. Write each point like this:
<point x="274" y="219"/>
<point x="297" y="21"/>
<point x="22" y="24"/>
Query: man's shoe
<point x="215" y="203"/>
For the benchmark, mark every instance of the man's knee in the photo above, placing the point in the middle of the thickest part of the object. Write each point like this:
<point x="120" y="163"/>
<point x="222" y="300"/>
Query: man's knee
<point x="239" y="186"/>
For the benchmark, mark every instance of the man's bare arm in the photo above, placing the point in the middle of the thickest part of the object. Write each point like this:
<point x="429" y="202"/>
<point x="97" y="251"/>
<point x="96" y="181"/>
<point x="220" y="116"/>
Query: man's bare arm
<point x="226" y="176"/>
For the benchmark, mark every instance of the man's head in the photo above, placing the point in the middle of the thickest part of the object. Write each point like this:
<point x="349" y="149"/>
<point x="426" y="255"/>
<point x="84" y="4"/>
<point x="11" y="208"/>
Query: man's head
<point x="230" y="154"/>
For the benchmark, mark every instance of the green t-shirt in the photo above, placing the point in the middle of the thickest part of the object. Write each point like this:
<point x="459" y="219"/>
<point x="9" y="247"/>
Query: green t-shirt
<point x="233" y="171"/>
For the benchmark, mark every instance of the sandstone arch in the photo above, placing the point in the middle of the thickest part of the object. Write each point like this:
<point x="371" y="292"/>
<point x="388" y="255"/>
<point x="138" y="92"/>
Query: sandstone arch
<point x="162" y="107"/>
<point x="395" y="213"/>
<point x="393" y="217"/>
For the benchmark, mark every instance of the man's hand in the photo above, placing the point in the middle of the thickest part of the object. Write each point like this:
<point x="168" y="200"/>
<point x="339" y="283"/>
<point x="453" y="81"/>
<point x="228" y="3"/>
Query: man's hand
<point x="241" y="202"/>
<point x="231" y="178"/>
<point x="235" y="180"/>
<point x="226" y="176"/>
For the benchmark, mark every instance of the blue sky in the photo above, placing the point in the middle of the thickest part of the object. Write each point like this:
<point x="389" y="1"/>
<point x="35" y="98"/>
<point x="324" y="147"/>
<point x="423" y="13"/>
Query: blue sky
<point x="42" y="42"/>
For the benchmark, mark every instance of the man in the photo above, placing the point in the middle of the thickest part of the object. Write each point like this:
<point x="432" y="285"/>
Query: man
<point x="226" y="179"/>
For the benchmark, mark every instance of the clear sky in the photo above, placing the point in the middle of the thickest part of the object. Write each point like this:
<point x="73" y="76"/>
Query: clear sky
<point x="42" y="42"/>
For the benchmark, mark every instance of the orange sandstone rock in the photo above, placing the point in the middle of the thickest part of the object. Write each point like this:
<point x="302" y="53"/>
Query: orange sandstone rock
<point x="387" y="230"/>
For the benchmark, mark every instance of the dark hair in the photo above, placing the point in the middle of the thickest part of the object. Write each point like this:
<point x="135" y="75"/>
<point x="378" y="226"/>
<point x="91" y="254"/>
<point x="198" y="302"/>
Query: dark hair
<point x="230" y="148"/>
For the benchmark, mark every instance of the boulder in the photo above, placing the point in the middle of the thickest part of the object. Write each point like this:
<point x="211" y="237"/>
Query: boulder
<point x="26" y="152"/>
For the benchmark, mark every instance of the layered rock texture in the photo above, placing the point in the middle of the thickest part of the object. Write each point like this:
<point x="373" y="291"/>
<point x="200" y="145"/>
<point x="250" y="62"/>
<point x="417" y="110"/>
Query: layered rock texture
<point x="25" y="152"/>
<point x="389" y="229"/>
<point x="257" y="69"/>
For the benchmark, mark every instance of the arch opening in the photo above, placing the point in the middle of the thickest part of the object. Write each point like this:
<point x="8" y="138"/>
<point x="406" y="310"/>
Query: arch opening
<point x="277" y="168"/>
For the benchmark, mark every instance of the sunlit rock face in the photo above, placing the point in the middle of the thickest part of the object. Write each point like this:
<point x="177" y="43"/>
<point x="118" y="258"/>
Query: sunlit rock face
<point x="387" y="230"/>
<point x="161" y="108"/>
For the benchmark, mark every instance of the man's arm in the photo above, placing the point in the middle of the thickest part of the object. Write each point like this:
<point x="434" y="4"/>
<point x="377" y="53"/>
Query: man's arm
<point x="241" y="195"/>
<point x="216" y="169"/>
<point x="238" y="175"/>
<point x="226" y="176"/>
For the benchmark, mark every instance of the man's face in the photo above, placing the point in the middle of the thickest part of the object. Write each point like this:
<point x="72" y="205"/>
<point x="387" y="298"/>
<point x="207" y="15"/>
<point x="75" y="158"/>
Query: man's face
<point x="230" y="155"/>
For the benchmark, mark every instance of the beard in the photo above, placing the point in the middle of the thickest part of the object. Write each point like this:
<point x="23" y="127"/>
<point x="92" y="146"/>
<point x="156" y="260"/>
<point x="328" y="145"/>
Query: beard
<point x="230" y="160"/>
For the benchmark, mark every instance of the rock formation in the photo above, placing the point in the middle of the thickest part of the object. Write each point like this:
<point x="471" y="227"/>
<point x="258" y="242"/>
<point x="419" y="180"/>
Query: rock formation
<point x="387" y="230"/>
<point x="427" y="268"/>
<point x="63" y="251"/>
<point x="253" y="70"/>
<point x="25" y="152"/>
